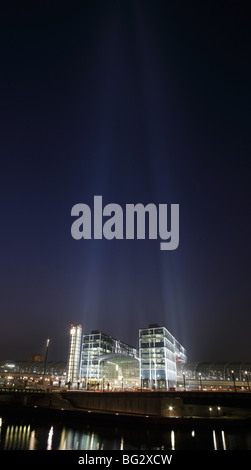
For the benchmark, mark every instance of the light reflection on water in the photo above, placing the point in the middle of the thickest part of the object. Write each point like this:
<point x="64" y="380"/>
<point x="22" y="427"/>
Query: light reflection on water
<point x="55" y="436"/>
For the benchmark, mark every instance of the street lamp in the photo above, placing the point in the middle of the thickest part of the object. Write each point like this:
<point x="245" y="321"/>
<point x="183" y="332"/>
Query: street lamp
<point x="246" y="374"/>
<point x="46" y="354"/>
<point x="200" y="380"/>
<point x="233" y="377"/>
<point x="184" y="381"/>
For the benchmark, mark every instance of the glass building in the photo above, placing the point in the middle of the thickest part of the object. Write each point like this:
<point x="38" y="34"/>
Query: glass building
<point x="118" y="371"/>
<point x="97" y="351"/>
<point x="161" y="356"/>
<point x="97" y="360"/>
<point x="72" y="373"/>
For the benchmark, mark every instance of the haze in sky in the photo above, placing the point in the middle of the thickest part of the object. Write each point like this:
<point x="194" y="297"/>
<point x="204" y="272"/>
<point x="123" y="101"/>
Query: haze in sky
<point x="137" y="102"/>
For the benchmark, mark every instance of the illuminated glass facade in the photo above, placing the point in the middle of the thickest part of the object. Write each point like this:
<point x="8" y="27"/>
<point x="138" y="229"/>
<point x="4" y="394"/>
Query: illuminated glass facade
<point x="74" y="354"/>
<point x="97" y="360"/>
<point x="94" y="347"/>
<point x="160" y="356"/>
<point x="117" y="372"/>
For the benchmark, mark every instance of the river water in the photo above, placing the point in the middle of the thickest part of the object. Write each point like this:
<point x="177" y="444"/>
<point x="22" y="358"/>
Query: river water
<point x="27" y="434"/>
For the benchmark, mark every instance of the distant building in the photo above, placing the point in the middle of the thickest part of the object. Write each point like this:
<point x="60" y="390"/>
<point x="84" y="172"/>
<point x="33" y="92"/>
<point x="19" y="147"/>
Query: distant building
<point x="37" y="358"/>
<point x="160" y="357"/>
<point x="53" y="368"/>
<point x="220" y="371"/>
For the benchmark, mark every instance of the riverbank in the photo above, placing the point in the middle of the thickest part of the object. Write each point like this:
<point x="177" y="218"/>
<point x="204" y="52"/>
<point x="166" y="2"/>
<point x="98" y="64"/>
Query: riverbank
<point x="83" y="417"/>
<point x="164" y="408"/>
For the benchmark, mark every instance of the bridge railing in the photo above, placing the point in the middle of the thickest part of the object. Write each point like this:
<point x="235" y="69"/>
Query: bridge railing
<point x="21" y="390"/>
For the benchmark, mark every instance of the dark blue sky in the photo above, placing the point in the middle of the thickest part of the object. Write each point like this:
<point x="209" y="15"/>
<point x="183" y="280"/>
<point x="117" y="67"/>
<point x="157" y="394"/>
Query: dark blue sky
<point x="137" y="101"/>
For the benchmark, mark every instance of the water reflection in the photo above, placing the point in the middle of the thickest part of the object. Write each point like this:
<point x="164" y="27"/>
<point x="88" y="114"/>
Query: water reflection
<point x="16" y="437"/>
<point x="49" y="441"/>
<point x="54" y="436"/>
<point x="172" y="440"/>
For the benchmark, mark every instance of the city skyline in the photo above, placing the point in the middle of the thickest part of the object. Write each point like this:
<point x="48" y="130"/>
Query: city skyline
<point x="138" y="103"/>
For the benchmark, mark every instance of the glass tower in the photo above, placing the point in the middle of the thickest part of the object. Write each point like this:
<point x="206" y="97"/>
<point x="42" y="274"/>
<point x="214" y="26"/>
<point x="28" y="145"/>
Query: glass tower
<point x="159" y="354"/>
<point x="74" y="354"/>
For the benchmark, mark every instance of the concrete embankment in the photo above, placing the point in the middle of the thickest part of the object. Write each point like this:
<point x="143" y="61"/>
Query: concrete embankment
<point x="154" y="406"/>
<point x="165" y="404"/>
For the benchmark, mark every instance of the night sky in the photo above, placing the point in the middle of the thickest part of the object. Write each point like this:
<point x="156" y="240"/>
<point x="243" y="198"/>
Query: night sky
<point x="140" y="102"/>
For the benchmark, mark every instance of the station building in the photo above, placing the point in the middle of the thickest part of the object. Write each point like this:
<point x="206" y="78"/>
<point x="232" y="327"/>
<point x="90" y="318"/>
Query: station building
<point x="161" y="356"/>
<point x="106" y="360"/>
<point x="101" y="361"/>
<point x="219" y="372"/>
